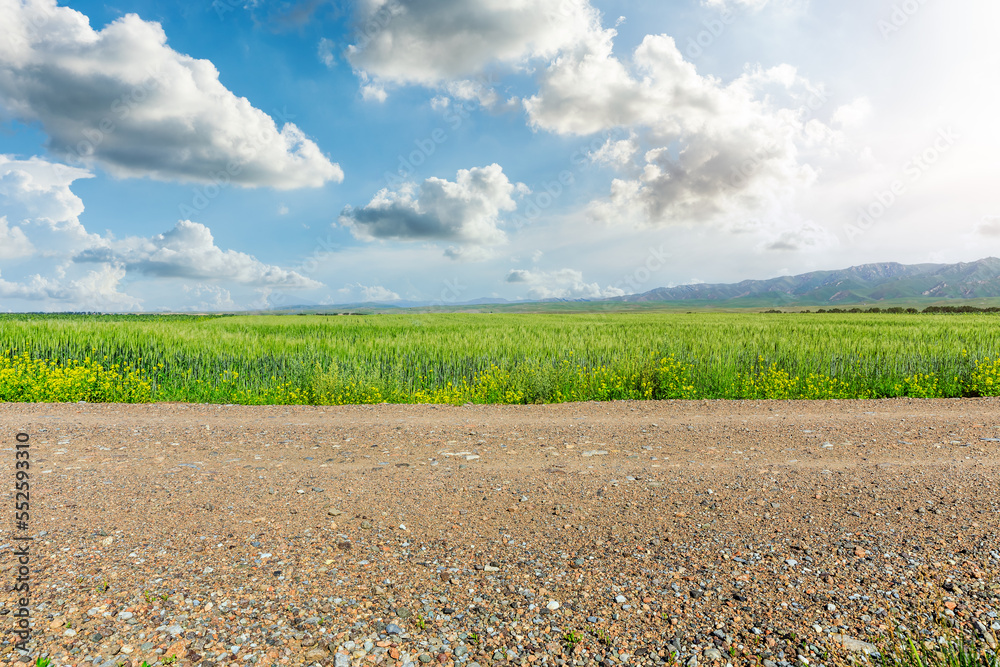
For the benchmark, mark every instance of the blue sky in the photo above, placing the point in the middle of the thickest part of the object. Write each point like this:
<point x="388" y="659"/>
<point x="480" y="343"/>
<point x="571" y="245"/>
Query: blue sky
<point x="231" y="154"/>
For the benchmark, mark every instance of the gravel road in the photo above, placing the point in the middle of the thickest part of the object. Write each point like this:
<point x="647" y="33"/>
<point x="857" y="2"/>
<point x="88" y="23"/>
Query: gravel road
<point x="626" y="533"/>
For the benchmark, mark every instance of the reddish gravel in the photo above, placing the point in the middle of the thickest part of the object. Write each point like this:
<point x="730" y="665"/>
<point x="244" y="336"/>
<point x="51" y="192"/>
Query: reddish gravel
<point x="580" y="534"/>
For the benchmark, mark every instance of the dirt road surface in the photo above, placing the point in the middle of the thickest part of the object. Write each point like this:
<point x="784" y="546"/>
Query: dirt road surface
<point x="582" y="534"/>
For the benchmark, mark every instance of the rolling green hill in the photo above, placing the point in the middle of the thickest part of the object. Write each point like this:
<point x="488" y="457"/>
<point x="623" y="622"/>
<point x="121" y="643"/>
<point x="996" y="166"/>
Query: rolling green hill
<point x="870" y="284"/>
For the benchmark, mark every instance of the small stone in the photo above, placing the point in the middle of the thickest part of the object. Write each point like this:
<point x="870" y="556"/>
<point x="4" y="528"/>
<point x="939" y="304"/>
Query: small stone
<point x="425" y="658"/>
<point x="342" y="660"/>
<point x="393" y="629"/>
<point x="107" y="541"/>
<point x="791" y="562"/>
<point x="596" y="452"/>
<point x="692" y="661"/>
<point x="621" y="599"/>
<point x="577" y="563"/>
<point x="491" y="568"/>
<point x="178" y="649"/>
<point x="859" y="552"/>
<point x="124" y="615"/>
<point x="985" y="633"/>
<point x="855" y="645"/>
<point x="333" y="511"/>
<point x="552" y="605"/>
<point x="317" y="654"/>
<point x="831" y="607"/>
<point x="713" y="654"/>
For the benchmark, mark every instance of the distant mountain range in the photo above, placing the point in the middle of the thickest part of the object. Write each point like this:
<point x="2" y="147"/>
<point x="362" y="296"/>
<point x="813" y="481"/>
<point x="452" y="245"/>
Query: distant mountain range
<point x="865" y="284"/>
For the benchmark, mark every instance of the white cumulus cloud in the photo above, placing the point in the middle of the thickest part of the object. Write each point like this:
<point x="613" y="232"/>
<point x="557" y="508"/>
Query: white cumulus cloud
<point x="466" y="211"/>
<point x="364" y="293"/>
<point x="430" y="43"/>
<point x="712" y="148"/>
<point x="39" y="190"/>
<point x="809" y="236"/>
<point x="14" y="244"/>
<point x="854" y="113"/>
<point x="120" y="97"/>
<point x="989" y="226"/>
<point x="213" y="297"/>
<point x="189" y="251"/>
<point x="560" y="284"/>
<point x="97" y="290"/>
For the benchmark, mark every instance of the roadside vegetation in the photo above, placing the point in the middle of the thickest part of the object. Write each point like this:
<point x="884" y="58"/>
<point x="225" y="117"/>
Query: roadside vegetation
<point x="484" y="358"/>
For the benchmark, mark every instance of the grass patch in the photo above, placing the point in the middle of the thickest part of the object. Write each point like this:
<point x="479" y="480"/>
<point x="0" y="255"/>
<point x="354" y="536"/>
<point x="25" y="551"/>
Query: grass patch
<point x="481" y="358"/>
<point x="953" y="653"/>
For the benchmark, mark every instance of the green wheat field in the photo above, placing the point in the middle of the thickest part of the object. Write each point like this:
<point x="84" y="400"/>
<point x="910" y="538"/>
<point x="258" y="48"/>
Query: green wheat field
<point x="495" y="358"/>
